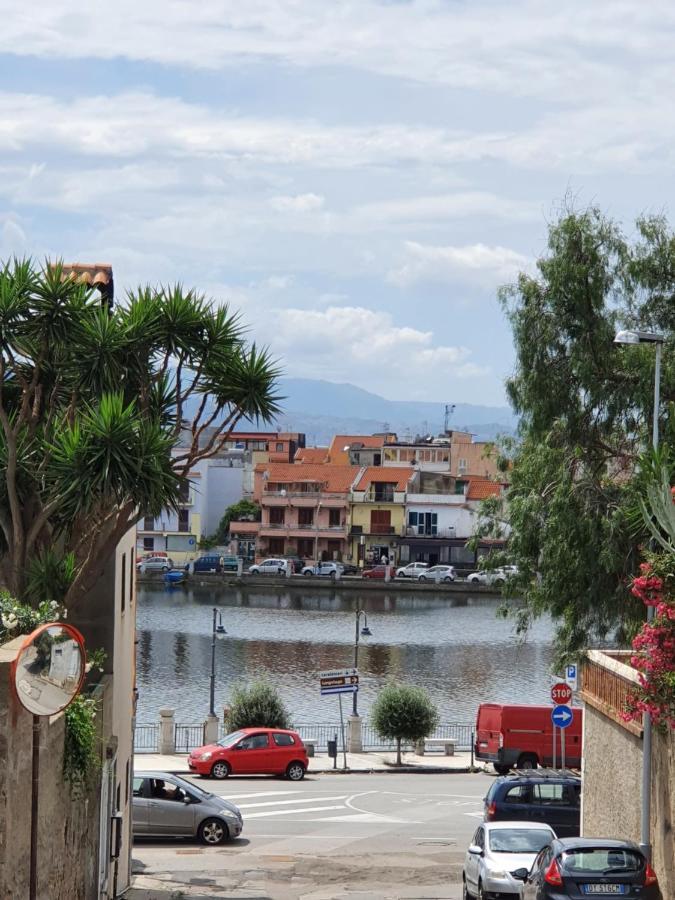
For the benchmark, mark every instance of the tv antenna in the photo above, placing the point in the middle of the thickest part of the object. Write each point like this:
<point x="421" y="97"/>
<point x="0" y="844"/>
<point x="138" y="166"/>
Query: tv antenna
<point x="449" y="410"/>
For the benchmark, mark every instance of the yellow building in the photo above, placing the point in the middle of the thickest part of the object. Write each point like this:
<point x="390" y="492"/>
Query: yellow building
<point x="377" y="513"/>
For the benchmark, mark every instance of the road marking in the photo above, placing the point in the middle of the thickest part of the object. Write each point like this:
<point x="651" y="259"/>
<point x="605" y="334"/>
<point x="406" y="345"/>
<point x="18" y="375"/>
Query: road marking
<point x="256" y="794"/>
<point x="368" y="817"/>
<point x="288" y="802"/>
<point x="288" y="812"/>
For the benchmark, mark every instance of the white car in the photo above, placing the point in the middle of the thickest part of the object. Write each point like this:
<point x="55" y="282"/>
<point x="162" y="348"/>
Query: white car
<point x="155" y="564"/>
<point x="326" y="569"/>
<point x="496" y="850"/>
<point x="269" y="567"/>
<point x="412" y="570"/>
<point x="495" y="577"/>
<point x="438" y="573"/>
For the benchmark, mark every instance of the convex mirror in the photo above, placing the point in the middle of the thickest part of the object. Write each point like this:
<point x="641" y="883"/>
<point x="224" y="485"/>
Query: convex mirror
<point x="50" y="667"/>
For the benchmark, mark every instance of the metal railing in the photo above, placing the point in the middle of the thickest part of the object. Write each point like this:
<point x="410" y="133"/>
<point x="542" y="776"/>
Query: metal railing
<point x="146" y="739"/>
<point x="188" y="737"/>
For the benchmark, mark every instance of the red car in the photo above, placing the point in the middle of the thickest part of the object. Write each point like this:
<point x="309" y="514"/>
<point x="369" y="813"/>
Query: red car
<point x="252" y="751"/>
<point x="376" y="572"/>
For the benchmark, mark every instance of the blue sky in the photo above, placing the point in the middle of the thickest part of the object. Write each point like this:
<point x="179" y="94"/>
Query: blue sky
<point x="357" y="177"/>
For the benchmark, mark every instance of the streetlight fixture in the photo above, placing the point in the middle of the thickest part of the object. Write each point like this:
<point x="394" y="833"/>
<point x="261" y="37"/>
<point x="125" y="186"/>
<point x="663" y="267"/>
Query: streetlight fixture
<point x="647" y="337"/>
<point x="217" y="630"/>
<point x="365" y="632"/>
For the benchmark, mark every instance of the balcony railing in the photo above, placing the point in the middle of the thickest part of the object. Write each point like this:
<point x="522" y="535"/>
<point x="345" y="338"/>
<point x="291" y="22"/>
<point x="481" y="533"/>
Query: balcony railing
<point x="318" y="494"/>
<point x="424" y="532"/>
<point x="377" y="528"/>
<point x="606" y="684"/>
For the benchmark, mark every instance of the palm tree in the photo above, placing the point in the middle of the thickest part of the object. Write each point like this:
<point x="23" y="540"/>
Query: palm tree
<point x="93" y="403"/>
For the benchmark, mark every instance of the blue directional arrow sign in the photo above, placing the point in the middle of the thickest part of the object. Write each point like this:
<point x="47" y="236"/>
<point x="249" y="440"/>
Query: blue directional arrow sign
<point x="561" y="716"/>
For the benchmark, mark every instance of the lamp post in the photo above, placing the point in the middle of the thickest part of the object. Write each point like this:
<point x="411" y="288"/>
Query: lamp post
<point x="366" y="632"/>
<point x="217" y="630"/>
<point x="647" y="337"/>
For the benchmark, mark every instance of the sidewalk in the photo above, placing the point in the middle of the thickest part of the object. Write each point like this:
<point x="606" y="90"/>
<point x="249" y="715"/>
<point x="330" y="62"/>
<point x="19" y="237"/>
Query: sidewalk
<point x="322" y="763"/>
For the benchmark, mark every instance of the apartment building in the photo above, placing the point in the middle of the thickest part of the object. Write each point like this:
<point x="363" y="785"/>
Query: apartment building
<point x="377" y="512"/>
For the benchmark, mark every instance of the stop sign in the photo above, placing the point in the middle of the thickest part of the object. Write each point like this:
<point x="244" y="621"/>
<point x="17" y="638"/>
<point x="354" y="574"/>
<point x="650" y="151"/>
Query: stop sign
<point x="561" y="693"/>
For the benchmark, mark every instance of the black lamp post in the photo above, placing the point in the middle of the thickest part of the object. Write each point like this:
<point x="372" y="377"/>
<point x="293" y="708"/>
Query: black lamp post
<point x="366" y="632"/>
<point x="217" y="630"/>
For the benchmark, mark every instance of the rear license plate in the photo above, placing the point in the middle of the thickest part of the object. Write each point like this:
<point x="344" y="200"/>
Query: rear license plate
<point x="605" y="889"/>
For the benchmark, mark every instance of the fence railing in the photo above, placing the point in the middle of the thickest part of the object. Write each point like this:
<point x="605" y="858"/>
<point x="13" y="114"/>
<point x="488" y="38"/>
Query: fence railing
<point x="187" y="737"/>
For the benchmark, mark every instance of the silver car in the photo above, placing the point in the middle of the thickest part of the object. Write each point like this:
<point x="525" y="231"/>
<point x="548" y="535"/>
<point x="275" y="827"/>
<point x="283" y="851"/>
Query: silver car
<point x="169" y="806"/>
<point x="155" y="564"/>
<point x="498" y="849"/>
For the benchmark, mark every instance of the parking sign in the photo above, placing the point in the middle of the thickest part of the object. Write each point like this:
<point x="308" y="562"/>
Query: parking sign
<point x="571" y="673"/>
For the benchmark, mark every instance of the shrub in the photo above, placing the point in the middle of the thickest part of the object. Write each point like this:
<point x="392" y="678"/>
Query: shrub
<point x="403" y="713"/>
<point x="257" y="704"/>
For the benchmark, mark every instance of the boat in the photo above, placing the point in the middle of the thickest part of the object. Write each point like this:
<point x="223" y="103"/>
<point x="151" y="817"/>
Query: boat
<point x="174" y="576"/>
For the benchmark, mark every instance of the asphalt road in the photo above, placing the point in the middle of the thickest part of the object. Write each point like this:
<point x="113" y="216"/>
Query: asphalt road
<point x="331" y="836"/>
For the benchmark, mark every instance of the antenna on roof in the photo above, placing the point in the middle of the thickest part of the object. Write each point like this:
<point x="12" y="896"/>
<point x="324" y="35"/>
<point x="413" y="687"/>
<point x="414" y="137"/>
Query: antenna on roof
<point x="449" y="410"/>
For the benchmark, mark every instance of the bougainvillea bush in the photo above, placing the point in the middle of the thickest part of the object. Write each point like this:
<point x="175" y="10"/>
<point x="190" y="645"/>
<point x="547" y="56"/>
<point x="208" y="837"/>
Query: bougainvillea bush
<point x="654" y="645"/>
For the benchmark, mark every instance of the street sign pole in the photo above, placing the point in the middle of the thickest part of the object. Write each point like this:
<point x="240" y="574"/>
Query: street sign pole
<point x="554" y="746"/>
<point x="562" y="748"/>
<point x="342" y="729"/>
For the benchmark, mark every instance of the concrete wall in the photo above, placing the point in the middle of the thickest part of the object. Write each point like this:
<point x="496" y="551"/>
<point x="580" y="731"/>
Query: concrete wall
<point x="68" y="826"/>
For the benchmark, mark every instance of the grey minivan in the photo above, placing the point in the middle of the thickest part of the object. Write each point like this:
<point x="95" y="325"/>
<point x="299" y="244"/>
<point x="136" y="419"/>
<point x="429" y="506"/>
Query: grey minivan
<point x="169" y="806"/>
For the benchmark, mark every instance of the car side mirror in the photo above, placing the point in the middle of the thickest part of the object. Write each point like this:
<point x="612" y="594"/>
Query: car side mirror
<point x="475" y="850"/>
<point x="187" y="801"/>
<point x="521" y="874"/>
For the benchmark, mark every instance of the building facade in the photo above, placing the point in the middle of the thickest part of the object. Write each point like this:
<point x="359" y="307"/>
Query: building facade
<point x="377" y="513"/>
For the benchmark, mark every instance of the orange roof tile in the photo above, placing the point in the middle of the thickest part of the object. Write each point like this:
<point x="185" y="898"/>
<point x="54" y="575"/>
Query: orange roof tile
<point x="337" y="479"/>
<point x="479" y="489"/>
<point x="338" y="455"/>
<point x="90" y="273"/>
<point x="311" y="455"/>
<point x="388" y="474"/>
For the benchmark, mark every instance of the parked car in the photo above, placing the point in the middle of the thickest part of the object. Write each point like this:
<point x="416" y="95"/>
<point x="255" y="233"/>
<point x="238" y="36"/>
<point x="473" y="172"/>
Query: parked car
<point x="205" y="564"/>
<point x="297" y="564"/>
<point x="440" y="573"/>
<point x="412" y="570"/>
<point x="155" y="564"/>
<point x="375" y="572"/>
<point x="349" y="569"/>
<point x="590" y="867"/>
<point x="550" y="797"/>
<point x="522" y="736"/>
<point x="496" y="849"/>
<point x="326" y="569"/>
<point x="493" y="577"/>
<point x="269" y="567"/>
<point x="252" y="751"/>
<point x="169" y="806"/>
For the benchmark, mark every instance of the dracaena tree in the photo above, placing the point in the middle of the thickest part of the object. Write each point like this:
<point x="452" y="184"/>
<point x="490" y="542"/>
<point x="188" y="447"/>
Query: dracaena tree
<point x="103" y="413"/>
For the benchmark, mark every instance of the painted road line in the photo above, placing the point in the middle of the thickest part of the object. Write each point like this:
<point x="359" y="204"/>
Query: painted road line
<point x="288" y="812"/>
<point x="288" y="802"/>
<point x="256" y="794"/>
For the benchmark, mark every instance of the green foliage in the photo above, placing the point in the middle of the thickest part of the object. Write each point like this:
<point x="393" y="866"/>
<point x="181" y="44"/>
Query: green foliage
<point x="585" y="407"/>
<point x="246" y="510"/>
<point x="257" y="704"/>
<point x="21" y="618"/>
<point x="93" y="402"/>
<point x="403" y="713"/>
<point x="81" y="753"/>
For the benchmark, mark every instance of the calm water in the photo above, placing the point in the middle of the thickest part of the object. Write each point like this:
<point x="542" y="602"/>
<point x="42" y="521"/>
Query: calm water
<point x="456" y="648"/>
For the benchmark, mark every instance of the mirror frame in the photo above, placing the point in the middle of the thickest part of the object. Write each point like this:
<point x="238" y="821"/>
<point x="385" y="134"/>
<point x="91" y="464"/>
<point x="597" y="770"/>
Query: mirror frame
<point x="28" y="640"/>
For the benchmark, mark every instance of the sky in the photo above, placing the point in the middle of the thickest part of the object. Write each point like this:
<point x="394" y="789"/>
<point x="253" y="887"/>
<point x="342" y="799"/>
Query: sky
<point x="357" y="177"/>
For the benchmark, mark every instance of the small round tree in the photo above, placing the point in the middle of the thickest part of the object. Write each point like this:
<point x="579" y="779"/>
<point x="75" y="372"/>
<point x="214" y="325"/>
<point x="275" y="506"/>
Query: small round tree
<point x="257" y="704"/>
<point x="403" y="713"/>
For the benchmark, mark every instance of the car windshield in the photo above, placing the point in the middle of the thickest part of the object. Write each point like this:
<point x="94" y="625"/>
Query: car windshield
<point x="519" y="840"/>
<point x="601" y="860"/>
<point x="230" y="739"/>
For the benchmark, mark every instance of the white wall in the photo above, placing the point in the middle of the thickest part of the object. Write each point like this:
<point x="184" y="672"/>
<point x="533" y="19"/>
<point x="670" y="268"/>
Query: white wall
<point x="450" y="515"/>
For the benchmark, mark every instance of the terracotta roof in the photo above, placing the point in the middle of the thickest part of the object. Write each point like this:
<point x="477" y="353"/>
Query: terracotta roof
<point x="89" y="273"/>
<point x="337" y="479"/>
<point x="337" y="453"/>
<point x="311" y="455"/>
<point x="388" y="474"/>
<point x="479" y="489"/>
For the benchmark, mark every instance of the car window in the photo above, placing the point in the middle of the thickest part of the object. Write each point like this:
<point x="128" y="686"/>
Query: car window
<point x="254" y="742"/>
<point x="165" y="790"/>
<point x="574" y="794"/>
<point x="283" y="740"/>
<point x="519" y="840"/>
<point x="549" y="794"/>
<point x="602" y="860"/>
<point x="540" y="861"/>
<point x="480" y="838"/>
<point x="138" y="787"/>
<point x="518" y="794"/>
<point x="230" y="739"/>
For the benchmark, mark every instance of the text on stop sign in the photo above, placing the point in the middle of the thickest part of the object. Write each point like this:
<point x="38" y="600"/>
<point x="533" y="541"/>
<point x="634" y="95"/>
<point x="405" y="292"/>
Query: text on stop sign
<point x="561" y="693"/>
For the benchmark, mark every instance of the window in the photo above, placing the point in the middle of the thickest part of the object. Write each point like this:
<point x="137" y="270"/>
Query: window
<point x="149" y="523"/>
<point x="305" y="516"/>
<point x="254" y="742"/>
<point x="283" y="740"/>
<point x="548" y="794"/>
<point x="280" y="448"/>
<point x="276" y="545"/>
<point x="183" y="519"/>
<point x="184" y="492"/>
<point x="148" y="543"/>
<point x="277" y="515"/>
<point x="138" y="787"/>
<point x="518" y="794"/>
<point x="333" y="518"/>
<point x="123" y="579"/>
<point x="380" y="521"/>
<point x="305" y="547"/>
<point x="459" y="486"/>
<point x="462" y="555"/>
<point x="383" y="492"/>
<point x="479" y="838"/>
<point x="461" y="466"/>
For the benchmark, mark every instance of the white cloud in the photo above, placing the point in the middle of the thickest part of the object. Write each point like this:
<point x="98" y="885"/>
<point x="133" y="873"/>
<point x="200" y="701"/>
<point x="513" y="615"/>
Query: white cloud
<point x="13" y="239"/>
<point x="476" y="262"/>
<point x="301" y="203"/>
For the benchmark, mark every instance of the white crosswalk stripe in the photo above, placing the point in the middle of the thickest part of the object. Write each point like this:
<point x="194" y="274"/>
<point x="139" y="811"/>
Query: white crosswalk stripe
<point x="287" y="802"/>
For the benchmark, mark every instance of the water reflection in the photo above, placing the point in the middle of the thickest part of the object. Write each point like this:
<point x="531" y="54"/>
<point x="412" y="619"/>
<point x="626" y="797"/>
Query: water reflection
<point x="456" y="648"/>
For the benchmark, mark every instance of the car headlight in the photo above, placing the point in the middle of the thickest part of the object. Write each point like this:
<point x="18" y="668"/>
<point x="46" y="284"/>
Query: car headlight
<point x="498" y="873"/>
<point x="204" y="756"/>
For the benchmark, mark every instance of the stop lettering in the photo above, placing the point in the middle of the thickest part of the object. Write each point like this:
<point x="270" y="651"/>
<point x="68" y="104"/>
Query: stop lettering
<point x="561" y="693"/>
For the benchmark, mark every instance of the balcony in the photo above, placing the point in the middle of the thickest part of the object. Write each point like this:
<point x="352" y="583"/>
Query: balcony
<point x="377" y="528"/>
<point x="422" y="532"/>
<point x="371" y="496"/>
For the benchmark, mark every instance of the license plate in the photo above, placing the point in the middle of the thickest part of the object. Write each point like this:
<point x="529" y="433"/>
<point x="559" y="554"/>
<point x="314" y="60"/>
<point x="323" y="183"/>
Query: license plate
<point x="605" y="889"/>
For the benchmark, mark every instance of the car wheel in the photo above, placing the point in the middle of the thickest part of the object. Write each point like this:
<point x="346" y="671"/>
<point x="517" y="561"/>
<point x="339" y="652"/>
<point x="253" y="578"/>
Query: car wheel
<point x="308" y="573"/>
<point x="295" y="771"/>
<point x="465" y="891"/>
<point x="501" y="770"/>
<point x="480" y="895"/>
<point x="165" y="568"/>
<point x="422" y="578"/>
<point x="498" y="582"/>
<point x="448" y="578"/>
<point x="213" y="831"/>
<point x="220" y="770"/>
<point x="527" y="761"/>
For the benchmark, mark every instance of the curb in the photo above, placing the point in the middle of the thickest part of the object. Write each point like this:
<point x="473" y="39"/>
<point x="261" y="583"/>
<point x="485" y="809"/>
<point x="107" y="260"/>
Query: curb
<point x="390" y="770"/>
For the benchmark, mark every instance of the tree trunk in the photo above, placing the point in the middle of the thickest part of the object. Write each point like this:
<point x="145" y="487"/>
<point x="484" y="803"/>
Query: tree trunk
<point x="398" y="751"/>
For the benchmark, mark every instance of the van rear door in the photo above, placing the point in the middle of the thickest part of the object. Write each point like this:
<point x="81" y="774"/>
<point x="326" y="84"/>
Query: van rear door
<point x="488" y="731"/>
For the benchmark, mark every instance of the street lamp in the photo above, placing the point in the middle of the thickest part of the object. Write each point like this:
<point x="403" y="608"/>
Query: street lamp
<point x="366" y="632"/>
<point x="647" y="337"/>
<point x="217" y="630"/>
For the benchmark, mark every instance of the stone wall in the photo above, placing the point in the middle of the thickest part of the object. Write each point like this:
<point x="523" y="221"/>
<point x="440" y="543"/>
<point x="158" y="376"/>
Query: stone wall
<point x="68" y="828"/>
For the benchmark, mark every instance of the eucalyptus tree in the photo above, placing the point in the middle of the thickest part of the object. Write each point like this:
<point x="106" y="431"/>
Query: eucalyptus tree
<point x="93" y="402"/>
<point x="586" y="406"/>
